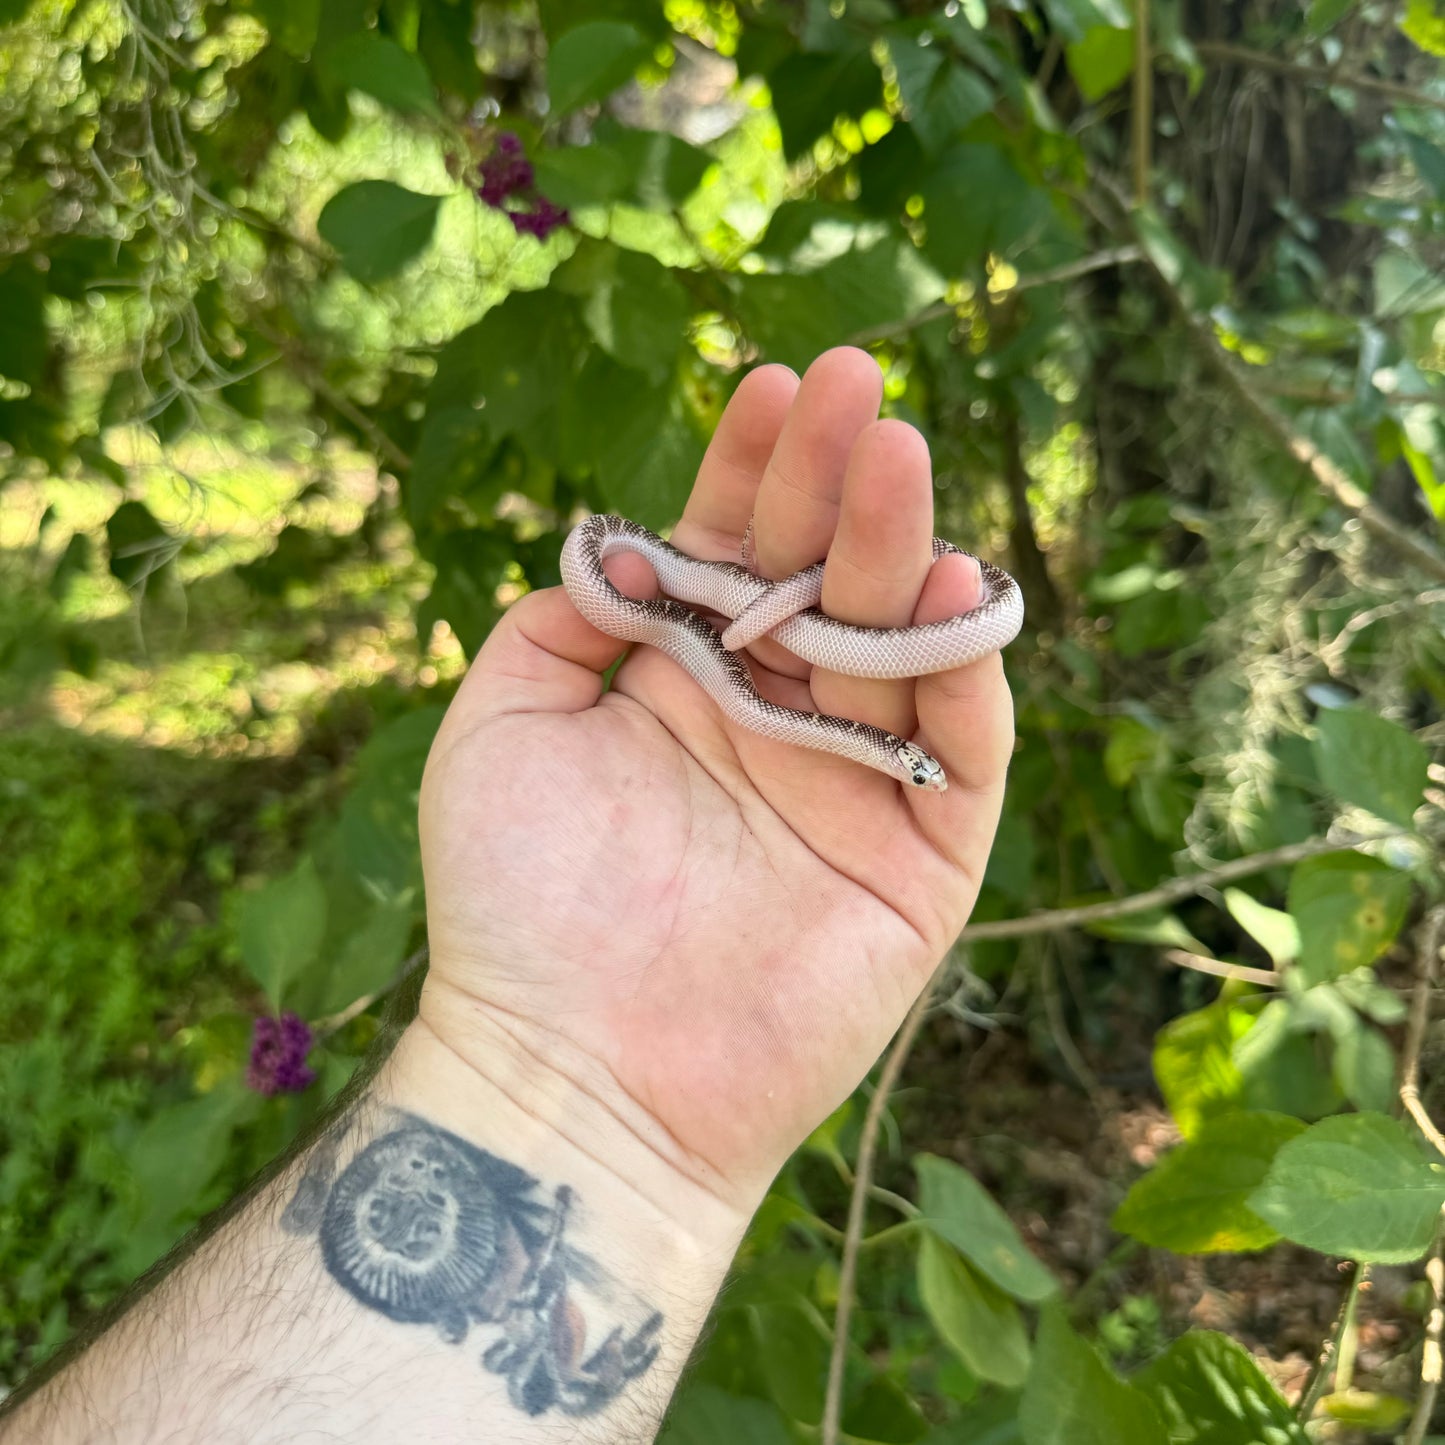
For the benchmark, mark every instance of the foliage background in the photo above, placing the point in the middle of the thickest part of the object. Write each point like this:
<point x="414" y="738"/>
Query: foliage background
<point x="289" y="413"/>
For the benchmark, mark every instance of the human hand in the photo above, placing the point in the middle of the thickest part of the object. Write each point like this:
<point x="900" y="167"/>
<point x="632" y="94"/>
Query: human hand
<point x="631" y="900"/>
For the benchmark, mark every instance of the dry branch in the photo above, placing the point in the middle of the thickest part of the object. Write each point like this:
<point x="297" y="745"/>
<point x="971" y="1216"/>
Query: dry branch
<point x="857" y="1208"/>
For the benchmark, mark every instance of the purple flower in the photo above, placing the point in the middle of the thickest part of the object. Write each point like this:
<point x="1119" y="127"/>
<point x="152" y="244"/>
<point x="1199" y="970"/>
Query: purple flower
<point x="278" y="1055"/>
<point x="505" y="172"/>
<point x="540" y="222"/>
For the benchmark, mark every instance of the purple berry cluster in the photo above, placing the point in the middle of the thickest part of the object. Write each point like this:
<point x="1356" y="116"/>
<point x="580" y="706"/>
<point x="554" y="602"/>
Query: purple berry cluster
<point x="278" y="1055"/>
<point x="506" y="173"/>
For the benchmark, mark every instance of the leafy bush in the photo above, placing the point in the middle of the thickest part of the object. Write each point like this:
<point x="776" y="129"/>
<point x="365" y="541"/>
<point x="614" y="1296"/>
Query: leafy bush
<point x="451" y="271"/>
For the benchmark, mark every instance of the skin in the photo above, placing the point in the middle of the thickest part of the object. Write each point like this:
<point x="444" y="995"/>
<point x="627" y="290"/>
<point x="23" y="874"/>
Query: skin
<point x="717" y="932"/>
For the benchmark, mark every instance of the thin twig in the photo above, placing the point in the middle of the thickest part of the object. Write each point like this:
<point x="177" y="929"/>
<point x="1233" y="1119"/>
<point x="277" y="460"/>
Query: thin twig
<point x="1427" y="970"/>
<point x="857" y="1208"/>
<point x="1330" y="476"/>
<point x="338" y="400"/>
<point x="1430" y="1359"/>
<point x="1069" y="271"/>
<point x="1166" y="893"/>
<point x="324" y="1028"/>
<point x="1364" y="84"/>
<point x="1263" y="976"/>
<point x="1319" y="1374"/>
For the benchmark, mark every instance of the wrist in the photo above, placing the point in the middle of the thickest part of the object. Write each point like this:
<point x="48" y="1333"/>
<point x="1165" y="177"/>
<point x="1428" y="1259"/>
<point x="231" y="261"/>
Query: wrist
<point x="524" y="1094"/>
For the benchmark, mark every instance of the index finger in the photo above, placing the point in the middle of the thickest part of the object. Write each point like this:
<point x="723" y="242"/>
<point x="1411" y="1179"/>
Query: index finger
<point x="721" y="504"/>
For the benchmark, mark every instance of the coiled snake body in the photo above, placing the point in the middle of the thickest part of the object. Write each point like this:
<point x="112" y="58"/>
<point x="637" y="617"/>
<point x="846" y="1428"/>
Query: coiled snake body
<point x="788" y="612"/>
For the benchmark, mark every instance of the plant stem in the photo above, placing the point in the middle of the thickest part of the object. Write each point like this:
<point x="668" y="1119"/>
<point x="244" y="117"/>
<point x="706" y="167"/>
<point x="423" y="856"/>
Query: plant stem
<point x="857" y="1208"/>
<point x="1171" y="892"/>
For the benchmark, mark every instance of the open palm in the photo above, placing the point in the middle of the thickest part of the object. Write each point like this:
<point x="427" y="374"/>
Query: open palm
<point x="721" y="929"/>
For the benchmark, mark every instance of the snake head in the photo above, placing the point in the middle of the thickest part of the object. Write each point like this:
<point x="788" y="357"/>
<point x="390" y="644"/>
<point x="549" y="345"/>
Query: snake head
<point x="923" y="771"/>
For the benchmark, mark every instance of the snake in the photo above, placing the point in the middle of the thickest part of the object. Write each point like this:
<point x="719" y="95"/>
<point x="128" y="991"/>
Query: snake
<point x="787" y="611"/>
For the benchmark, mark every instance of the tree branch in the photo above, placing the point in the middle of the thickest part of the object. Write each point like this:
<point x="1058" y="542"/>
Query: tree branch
<point x="1069" y="271"/>
<point x="1314" y="74"/>
<point x="857" y="1208"/>
<point x="1171" y="892"/>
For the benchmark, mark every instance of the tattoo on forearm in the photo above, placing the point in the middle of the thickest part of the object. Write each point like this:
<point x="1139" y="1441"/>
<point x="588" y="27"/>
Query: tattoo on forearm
<point x="431" y="1230"/>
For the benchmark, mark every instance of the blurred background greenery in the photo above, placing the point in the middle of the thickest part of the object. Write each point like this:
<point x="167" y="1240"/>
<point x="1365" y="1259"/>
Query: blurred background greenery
<point x="320" y="322"/>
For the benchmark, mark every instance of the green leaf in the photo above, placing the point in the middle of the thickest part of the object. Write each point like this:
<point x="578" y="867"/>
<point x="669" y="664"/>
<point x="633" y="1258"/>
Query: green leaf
<point x="942" y="96"/>
<point x="957" y="1208"/>
<point x="1425" y="25"/>
<point x="1428" y="160"/>
<point x="1210" y="1391"/>
<point x="976" y="203"/>
<point x="369" y="956"/>
<point x="1365" y="1409"/>
<point x="662" y="170"/>
<point x="1193" y="1200"/>
<point x="453" y="458"/>
<point x="513" y="363"/>
<point x="883" y="1411"/>
<point x="1101" y="60"/>
<point x="639" y="313"/>
<point x="635" y="438"/>
<point x="976" y="1319"/>
<point x="1364" y="1065"/>
<point x="1275" y="931"/>
<point x="706" y="1415"/>
<point x="293" y="24"/>
<point x="377" y="227"/>
<point x="1323" y="15"/>
<point x="1156" y="927"/>
<point x="793" y="1357"/>
<point x="1073" y="1398"/>
<point x="1372" y="762"/>
<point x="175" y="1156"/>
<point x="1284" y="1068"/>
<point x="1349" y="908"/>
<point x="811" y="91"/>
<point x="1194" y="1064"/>
<point x="591" y="61"/>
<point x="585" y="175"/>
<point x="282" y="924"/>
<point x="1355" y="1185"/>
<point x="380" y="68"/>
<point x="1073" y="19"/>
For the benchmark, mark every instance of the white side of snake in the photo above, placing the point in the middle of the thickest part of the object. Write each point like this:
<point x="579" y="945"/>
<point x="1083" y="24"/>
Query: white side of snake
<point x="787" y="611"/>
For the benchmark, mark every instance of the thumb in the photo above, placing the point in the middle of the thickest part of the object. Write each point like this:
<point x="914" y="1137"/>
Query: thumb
<point x="544" y="656"/>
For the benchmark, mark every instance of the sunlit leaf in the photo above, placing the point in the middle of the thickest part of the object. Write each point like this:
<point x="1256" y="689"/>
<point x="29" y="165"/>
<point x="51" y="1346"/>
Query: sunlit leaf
<point x="974" y="1317"/>
<point x="958" y="1208"/>
<point x="1368" y="760"/>
<point x="1073" y="1398"/>
<point x="1355" y="1185"/>
<point x="1210" y="1391"/>
<point x="1193" y="1200"/>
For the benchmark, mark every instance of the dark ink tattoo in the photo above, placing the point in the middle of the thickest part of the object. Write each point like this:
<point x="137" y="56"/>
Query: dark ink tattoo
<point x="428" y="1229"/>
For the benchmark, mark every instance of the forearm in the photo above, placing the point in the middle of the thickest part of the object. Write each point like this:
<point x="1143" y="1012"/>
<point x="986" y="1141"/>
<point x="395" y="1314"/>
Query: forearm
<point x="444" y="1263"/>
